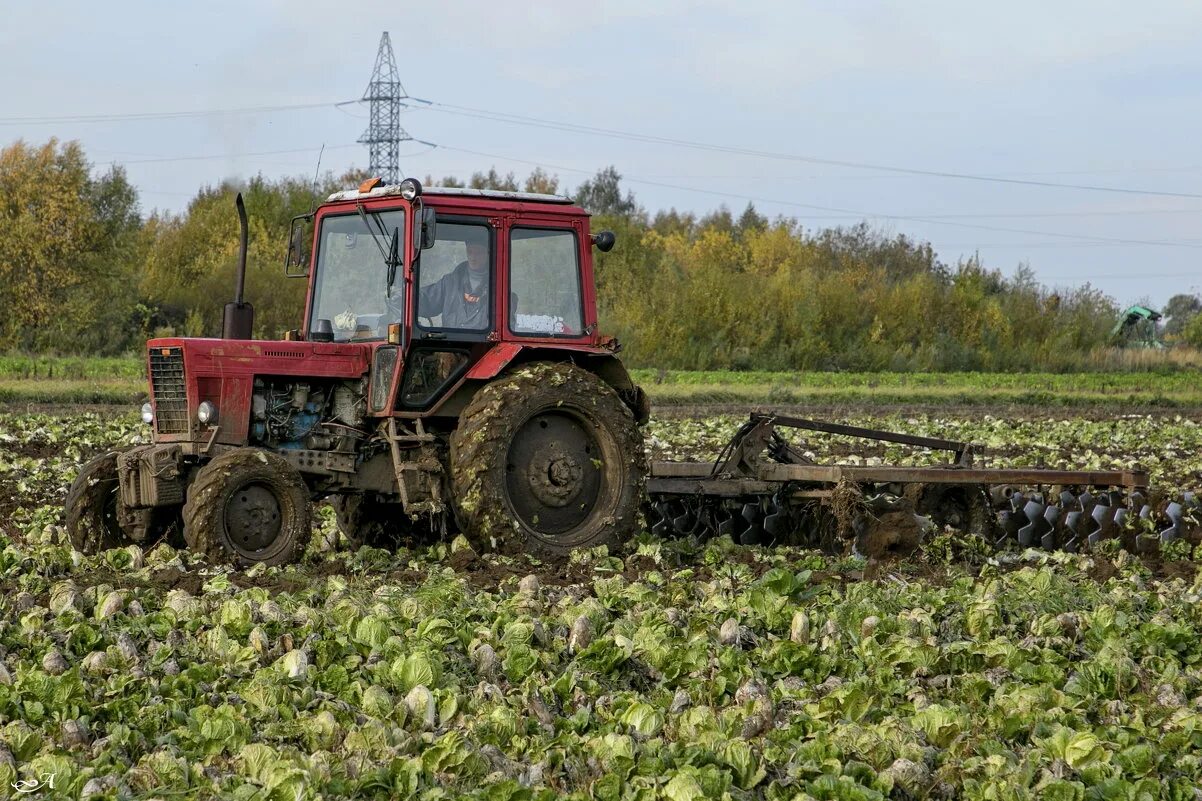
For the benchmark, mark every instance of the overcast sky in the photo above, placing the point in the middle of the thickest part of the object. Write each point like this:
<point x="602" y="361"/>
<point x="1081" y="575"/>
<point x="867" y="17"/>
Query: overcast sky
<point x="1095" y="94"/>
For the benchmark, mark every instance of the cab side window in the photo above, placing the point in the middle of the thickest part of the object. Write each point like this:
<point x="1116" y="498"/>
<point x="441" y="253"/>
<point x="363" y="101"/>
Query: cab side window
<point x="544" y="282"/>
<point x="455" y="279"/>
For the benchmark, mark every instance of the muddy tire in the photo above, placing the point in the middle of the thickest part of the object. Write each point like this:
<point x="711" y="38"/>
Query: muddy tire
<point x="366" y="522"/>
<point x="546" y="460"/>
<point x="248" y="506"/>
<point x="91" y="507"/>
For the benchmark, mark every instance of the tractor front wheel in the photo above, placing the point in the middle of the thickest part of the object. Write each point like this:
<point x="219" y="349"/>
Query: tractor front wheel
<point x="547" y="459"/>
<point x="91" y="507"/>
<point x="248" y="506"/>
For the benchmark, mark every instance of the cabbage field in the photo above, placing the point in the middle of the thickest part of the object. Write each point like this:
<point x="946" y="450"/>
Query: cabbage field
<point x="673" y="669"/>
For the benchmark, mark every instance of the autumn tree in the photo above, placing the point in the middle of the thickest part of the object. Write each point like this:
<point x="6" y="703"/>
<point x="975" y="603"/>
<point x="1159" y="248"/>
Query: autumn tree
<point x="189" y="274"/>
<point x="541" y="182"/>
<point x="493" y="180"/>
<point x="1179" y="312"/>
<point x="68" y="246"/>
<point x="602" y="194"/>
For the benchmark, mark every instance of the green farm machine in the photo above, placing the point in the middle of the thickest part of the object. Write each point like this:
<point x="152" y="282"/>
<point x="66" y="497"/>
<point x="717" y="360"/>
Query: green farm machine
<point x="1137" y="327"/>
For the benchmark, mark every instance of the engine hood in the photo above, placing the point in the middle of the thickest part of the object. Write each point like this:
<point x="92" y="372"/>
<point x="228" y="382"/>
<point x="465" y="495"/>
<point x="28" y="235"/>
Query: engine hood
<point x="237" y="357"/>
<point x="185" y="372"/>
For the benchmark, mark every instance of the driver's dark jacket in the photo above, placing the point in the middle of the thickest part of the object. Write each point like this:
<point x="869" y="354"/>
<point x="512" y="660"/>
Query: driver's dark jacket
<point x="452" y="297"/>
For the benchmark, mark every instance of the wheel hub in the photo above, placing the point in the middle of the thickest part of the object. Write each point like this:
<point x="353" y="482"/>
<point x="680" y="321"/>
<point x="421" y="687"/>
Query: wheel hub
<point x="555" y="477"/>
<point x="553" y="472"/>
<point x="252" y="518"/>
<point x="564" y="472"/>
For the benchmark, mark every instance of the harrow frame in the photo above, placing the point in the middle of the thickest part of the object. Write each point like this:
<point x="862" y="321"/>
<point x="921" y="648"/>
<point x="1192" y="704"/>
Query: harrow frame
<point x="762" y="478"/>
<point x="758" y="459"/>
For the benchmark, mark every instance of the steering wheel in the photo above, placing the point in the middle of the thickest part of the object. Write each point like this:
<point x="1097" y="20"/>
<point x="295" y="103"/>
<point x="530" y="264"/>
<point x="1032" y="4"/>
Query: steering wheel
<point x="394" y="311"/>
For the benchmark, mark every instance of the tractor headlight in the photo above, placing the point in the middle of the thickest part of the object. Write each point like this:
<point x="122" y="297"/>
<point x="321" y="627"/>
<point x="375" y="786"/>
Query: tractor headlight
<point x="147" y="413"/>
<point x="411" y="188"/>
<point x="206" y="413"/>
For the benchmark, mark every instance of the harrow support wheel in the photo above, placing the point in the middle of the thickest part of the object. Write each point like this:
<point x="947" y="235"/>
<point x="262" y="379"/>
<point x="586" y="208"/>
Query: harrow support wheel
<point x="547" y="459"/>
<point x="92" y="507"/>
<point x="248" y="506"/>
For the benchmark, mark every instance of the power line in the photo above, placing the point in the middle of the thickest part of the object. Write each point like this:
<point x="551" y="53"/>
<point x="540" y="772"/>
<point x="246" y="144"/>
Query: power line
<point x="1134" y="275"/>
<point x="158" y="159"/>
<point x="145" y="116"/>
<point x="1030" y="245"/>
<point x="1043" y="214"/>
<point x="854" y="212"/>
<point x="1024" y="215"/>
<point x="515" y="119"/>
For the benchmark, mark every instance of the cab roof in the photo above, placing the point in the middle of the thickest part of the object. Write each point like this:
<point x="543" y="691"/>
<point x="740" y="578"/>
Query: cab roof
<point x="454" y="191"/>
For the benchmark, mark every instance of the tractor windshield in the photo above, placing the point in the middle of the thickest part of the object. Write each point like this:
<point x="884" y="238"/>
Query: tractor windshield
<point x="351" y="287"/>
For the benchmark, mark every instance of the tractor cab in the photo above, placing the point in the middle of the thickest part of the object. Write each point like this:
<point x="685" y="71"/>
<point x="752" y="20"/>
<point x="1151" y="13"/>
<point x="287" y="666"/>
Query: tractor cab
<point x="434" y="281"/>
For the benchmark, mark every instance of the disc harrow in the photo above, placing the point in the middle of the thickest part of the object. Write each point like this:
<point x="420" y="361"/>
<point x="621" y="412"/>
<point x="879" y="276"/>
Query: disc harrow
<point x="762" y="490"/>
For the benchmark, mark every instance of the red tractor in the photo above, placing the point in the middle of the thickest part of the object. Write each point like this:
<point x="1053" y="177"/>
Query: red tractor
<point x="448" y="374"/>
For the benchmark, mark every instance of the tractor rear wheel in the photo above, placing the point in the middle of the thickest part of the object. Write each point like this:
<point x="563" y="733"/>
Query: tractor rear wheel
<point x="248" y="506"/>
<point x="547" y="459"/>
<point x="91" y="507"/>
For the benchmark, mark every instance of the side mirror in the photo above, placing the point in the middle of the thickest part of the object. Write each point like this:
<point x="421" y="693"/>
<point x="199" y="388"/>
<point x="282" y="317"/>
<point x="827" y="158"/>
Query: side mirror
<point x="429" y="228"/>
<point x="604" y="241"/>
<point x="296" y="263"/>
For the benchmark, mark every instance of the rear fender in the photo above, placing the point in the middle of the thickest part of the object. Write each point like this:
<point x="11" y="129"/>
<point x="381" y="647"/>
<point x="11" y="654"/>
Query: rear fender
<point x="603" y="363"/>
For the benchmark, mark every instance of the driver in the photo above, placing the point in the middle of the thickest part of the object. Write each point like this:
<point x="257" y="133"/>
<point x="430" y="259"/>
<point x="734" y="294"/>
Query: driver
<point x="462" y="295"/>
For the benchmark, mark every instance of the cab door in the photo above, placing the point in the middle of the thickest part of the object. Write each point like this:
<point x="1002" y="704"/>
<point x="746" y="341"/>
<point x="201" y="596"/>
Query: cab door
<point x="455" y="307"/>
<point x="545" y="283"/>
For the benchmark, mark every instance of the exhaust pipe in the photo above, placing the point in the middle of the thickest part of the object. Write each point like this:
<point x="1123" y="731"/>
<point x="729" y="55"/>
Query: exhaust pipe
<point x="239" y="318"/>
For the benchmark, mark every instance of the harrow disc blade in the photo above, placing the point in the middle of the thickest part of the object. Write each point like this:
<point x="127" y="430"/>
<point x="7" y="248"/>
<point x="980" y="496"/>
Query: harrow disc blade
<point x="1072" y="529"/>
<point x="754" y="535"/>
<point x="1103" y="523"/>
<point x="662" y="526"/>
<point x="684" y="523"/>
<point x="1174" y="512"/>
<point x="1033" y="512"/>
<point x="779" y="523"/>
<point x="1051" y="517"/>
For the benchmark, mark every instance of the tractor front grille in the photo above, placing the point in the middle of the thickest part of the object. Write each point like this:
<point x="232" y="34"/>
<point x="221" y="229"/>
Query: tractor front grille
<point x="170" y="394"/>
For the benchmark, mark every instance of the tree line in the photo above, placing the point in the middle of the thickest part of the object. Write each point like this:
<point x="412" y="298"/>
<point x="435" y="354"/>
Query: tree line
<point x="84" y="271"/>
